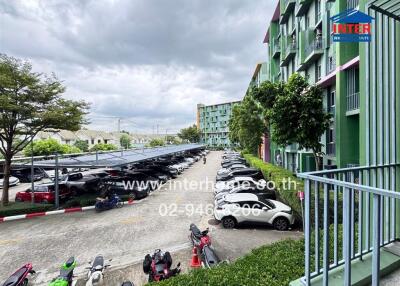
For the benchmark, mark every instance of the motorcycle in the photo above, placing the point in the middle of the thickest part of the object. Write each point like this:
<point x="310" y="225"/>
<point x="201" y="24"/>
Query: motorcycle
<point x="202" y="241"/>
<point x="106" y="204"/>
<point x="158" y="266"/>
<point x="95" y="274"/>
<point x="65" y="278"/>
<point x="19" y="277"/>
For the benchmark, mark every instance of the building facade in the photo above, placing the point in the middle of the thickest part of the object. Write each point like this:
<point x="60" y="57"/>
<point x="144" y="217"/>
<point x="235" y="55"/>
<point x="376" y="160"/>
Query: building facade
<point x="213" y="121"/>
<point x="299" y="41"/>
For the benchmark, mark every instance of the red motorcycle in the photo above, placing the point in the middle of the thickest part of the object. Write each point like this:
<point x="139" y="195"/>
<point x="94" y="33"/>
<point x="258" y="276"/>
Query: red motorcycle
<point x="202" y="241"/>
<point x="19" y="278"/>
<point x="158" y="266"/>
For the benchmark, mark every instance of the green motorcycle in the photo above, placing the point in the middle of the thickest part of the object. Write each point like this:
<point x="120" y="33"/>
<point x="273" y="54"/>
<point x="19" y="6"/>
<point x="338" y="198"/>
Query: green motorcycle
<point x="65" y="278"/>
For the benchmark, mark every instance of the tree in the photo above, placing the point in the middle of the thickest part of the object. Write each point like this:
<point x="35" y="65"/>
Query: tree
<point x="125" y="141"/>
<point x="29" y="103"/>
<point x="156" y="142"/>
<point x="246" y="125"/>
<point x="103" y="147"/>
<point x="298" y="116"/>
<point x="48" y="147"/>
<point x="191" y="134"/>
<point x="170" y="139"/>
<point x="82" y="145"/>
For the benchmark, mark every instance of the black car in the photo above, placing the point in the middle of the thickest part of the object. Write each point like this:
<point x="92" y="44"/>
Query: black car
<point x="124" y="186"/>
<point x="233" y="162"/>
<point x="248" y="172"/>
<point x="140" y="178"/>
<point x="24" y="174"/>
<point x="160" y="176"/>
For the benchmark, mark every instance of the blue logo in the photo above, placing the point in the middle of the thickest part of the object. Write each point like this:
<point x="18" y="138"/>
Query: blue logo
<point x="351" y="26"/>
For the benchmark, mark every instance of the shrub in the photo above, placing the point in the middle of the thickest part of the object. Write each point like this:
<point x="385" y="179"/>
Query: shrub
<point x="17" y="208"/>
<point x="103" y="147"/>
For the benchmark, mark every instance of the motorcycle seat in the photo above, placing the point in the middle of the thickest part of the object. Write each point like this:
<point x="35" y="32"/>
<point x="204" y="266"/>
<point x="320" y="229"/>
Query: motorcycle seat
<point x="98" y="261"/>
<point x="12" y="281"/>
<point x="196" y="231"/>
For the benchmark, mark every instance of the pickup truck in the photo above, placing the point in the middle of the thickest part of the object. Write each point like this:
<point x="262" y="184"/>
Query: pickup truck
<point x="80" y="184"/>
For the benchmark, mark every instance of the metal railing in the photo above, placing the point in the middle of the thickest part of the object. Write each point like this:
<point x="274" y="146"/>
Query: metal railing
<point x="276" y="46"/>
<point x="315" y="45"/>
<point x="352" y="4"/>
<point x="349" y="213"/>
<point x="353" y="101"/>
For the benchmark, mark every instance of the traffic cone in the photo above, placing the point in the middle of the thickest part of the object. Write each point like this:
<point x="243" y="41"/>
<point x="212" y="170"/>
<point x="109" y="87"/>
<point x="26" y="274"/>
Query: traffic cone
<point x="195" y="261"/>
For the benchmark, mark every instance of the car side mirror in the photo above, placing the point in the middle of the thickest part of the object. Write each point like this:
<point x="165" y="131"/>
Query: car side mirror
<point x="265" y="209"/>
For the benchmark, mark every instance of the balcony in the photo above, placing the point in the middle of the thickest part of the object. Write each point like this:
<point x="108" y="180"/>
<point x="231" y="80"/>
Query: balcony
<point x="303" y="7"/>
<point x="313" y="52"/>
<point x="353" y="103"/>
<point x="331" y="64"/>
<point x="351" y="225"/>
<point x="288" y="7"/>
<point x="276" y="48"/>
<point x="290" y="53"/>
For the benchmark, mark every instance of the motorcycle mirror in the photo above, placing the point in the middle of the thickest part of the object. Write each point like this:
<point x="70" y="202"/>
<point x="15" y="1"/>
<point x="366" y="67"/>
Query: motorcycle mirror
<point x="178" y="265"/>
<point x="89" y="262"/>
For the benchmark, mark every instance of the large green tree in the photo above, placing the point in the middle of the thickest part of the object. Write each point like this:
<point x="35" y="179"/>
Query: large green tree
<point x="30" y="102"/>
<point x="191" y="134"/>
<point x="246" y="125"/>
<point x="82" y="145"/>
<point x="297" y="116"/>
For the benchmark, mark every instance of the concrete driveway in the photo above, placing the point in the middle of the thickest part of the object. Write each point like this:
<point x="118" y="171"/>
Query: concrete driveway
<point x="160" y="221"/>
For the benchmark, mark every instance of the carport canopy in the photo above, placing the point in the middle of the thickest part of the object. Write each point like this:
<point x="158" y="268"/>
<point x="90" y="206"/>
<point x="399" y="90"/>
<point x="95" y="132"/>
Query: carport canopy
<point x="111" y="158"/>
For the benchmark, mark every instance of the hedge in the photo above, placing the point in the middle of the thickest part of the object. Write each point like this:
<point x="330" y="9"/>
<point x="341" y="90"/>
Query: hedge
<point x="279" y="175"/>
<point x="18" y="208"/>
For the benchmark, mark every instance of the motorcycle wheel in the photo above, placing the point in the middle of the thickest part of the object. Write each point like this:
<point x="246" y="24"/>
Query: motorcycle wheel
<point x="120" y="205"/>
<point x="25" y="282"/>
<point x="168" y="259"/>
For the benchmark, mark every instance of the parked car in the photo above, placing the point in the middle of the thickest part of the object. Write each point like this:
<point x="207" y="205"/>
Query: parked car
<point x="13" y="181"/>
<point x="138" y="177"/>
<point x="228" y="163"/>
<point x="231" y="168"/>
<point x="248" y="172"/>
<point x="44" y="193"/>
<point x="160" y="176"/>
<point x="251" y="188"/>
<point x="124" y="186"/>
<point x="235" y="182"/>
<point x="24" y="174"/>
<point x="253" y="209"/>
<point x="79" y="183"/>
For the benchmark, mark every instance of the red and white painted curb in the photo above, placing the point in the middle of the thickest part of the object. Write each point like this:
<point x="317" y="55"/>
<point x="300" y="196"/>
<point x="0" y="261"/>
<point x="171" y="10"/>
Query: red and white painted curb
<point x="69" y="210"/>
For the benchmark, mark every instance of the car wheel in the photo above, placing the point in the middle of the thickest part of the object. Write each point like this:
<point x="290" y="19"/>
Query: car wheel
<point x="228" y="222"/>
<point x="74" y="192"/>
<point x="281" y="223"/>
<point x="45" y="202"/>
<point x="18" y="199"/>
<point x="132" y="196"/>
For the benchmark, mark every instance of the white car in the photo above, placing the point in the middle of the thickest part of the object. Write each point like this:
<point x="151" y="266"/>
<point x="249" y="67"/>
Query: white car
<point x="222" y="186"/>
<point x="251" y="188"/>
<point x="189" y="160"/>
<point x="252" y="208"/>
<point x="231" y="168"/>
<point x="13" y="181"/>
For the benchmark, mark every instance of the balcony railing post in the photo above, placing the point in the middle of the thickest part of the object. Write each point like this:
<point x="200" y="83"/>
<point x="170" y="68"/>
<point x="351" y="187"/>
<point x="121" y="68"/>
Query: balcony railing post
<point x="326" y="235"/>
<point x="347" y="236"/>
<point x="376" y="242"/>
<point x="307" y="231"/>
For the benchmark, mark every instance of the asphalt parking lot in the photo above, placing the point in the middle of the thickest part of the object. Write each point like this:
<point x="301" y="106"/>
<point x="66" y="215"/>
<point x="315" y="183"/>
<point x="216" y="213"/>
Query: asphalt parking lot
<point x="160" y="221"/>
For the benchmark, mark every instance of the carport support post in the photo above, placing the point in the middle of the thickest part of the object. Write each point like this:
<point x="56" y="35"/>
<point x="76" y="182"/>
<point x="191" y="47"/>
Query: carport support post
<point x="57" y="198"/>
<point x="32" y="176"/>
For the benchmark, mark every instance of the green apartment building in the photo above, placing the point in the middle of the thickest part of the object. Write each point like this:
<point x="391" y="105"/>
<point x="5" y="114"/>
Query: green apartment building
<point x="212" y="121"/>
<point x="299" y="41"/>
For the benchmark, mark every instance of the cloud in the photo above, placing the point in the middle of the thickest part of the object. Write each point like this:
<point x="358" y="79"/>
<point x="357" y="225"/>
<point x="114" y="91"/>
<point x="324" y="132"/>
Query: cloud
<point x="150" y="61"/>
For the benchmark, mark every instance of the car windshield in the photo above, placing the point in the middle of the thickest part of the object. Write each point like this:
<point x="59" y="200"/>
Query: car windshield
<point x="41" y="189"/>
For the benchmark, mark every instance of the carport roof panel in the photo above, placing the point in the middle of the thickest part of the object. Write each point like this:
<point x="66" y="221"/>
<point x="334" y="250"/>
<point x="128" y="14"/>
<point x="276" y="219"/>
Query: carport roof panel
<point x="116" y="158"/>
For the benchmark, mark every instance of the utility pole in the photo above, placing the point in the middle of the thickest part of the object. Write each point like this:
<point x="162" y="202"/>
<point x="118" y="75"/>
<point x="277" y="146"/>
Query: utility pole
<point x="119" y="125"/>
<point x="157" y="129"/>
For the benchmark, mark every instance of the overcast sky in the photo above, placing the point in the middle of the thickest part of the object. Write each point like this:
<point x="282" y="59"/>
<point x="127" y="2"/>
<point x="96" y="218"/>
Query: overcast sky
<point x="148" y="61"/>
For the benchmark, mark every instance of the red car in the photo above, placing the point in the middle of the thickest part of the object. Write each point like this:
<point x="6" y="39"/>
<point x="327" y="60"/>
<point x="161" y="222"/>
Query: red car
<point x="44" y="194"/>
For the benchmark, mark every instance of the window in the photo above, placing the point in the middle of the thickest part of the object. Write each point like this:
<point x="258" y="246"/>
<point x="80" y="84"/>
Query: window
<point x="307" y="21"/>
<point x="331" y="100"/>
<point x="318" y="72"/>
<point x="92" y="141"/>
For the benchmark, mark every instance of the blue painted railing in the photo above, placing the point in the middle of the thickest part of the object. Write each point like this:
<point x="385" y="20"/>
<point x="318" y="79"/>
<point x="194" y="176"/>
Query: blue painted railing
<point x="361" y="202"/>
